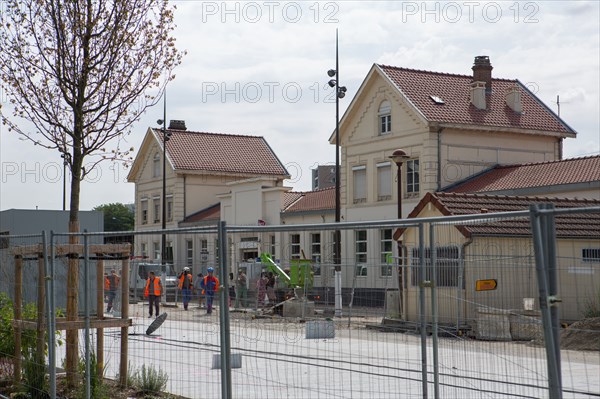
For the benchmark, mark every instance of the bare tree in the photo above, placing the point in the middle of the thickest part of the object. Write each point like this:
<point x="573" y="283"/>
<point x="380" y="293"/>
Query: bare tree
<point x="78" y="74"/>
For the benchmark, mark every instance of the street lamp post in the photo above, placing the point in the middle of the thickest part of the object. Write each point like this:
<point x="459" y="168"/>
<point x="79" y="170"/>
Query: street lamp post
<point x="398" y="157"/>
<point x="340" y="92"/>
<point x="166" y="135"/>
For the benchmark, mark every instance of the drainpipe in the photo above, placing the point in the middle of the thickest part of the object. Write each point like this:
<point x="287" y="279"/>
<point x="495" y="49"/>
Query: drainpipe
<point x="439" y="159"/>
<point x="461" y="283"/>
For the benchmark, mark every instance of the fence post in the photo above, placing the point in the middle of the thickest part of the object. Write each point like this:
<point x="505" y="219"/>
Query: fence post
<point x="224" y="313"/>
<point x="50" y="295"/>
<point x="543" y="240"/>
<point x="434" y="311"/>
<point x="86" y="310"/>
<point x="124" y="315"/>
<point x="423" y="322"/>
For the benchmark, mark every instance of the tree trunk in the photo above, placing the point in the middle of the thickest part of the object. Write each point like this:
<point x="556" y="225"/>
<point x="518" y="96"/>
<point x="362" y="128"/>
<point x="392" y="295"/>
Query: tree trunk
<point x="72" y="338"/>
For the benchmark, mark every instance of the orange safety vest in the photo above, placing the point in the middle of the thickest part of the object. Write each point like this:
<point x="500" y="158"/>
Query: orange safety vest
<point x="181" y="280"/>
<point x="155" y="289"/>
<point x="106" y="283"/>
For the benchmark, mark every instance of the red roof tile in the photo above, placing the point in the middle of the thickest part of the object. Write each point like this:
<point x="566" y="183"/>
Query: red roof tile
<point x="312" y="201"/>
<point x="210" y="214"/>
<point x="511" y="177"/>
<point x="227" y="153"/>
<point x="584" y="225"/>
<point x="454" y="90"/>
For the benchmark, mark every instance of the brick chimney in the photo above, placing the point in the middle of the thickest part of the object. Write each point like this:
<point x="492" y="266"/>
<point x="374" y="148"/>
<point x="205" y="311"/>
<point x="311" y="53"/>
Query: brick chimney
<point x="177" y="124"/>
<point x="482" y="71"/>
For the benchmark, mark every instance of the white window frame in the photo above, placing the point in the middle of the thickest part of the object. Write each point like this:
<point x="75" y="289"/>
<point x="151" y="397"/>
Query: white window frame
<point x="412" y="176"/>
<point x="386" y="245"/>
<point x="189" y="252"/>
<point x="294" y="246"/>
<point x="169" y="208"/>
<point x="361" y="251"/>
<point x="144" y="249"/>
<point x="591" y="255"/>
<point x="144" y="211"/>
<point x="385" y="117"/>
<point x="156" y="208"/>
<point x="315" y="252"/>
<point x="156" y="250"/>
<point x="359" y="180"/>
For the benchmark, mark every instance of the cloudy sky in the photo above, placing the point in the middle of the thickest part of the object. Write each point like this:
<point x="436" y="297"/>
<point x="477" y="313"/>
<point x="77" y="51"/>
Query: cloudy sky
<point x="259" y="68"/>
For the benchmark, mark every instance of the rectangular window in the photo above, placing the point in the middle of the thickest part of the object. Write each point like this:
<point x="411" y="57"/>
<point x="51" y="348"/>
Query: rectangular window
<point x="189" y="252"/>
<point x="144" y="249"/>
<point x="156" y="205"/>
<point x="384" y="181"/>
<point x="360" y="183"/>
<point x="360" y="252"/>
<point x="169" y="208"/>
<point x="447" y="266"/>
<point x="294" y="246"/>
<point x="590" y="254"/>
<point x="385" y="124"/>
<point x="412" y="176"/>
<point x="156" y="250"/>
<point x="169" y="251"/>
<point x="203" y="251"/>
<point x="144" y="215"/>
<point x="385" y="250"/>
<point x="272" y="244"/>
<point x="315" y="252"/>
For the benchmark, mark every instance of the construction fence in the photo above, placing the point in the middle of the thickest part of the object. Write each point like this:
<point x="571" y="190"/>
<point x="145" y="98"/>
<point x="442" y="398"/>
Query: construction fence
<point x="459" y="307"/>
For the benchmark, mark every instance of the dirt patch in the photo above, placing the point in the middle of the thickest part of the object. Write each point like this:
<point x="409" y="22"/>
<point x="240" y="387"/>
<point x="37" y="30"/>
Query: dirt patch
<point x="582" y="335"/>
<point x="111" y="389"/>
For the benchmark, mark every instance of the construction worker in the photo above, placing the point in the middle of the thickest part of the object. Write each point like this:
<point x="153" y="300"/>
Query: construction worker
<point x="210" y="285"/>
<point x="153" y="292"/>
<point x="185" y="286"/>
<point x="113" y="283"/>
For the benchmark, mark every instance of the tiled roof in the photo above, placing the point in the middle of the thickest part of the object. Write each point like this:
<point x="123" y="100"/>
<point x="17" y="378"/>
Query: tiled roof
<point x="226" y="153"/>
<point x="510" y="177"/>
<point x="289" y="197"/>
<point x="584" y="225"/>
<point x="311" y="201"/>
<point x="210" y="214"/>
<point x="454" y="90"/>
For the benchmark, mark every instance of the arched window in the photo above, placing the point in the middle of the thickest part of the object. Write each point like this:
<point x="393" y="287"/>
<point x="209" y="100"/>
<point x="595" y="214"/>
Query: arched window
<point x="385" y="117"/>
<point x="156" y="165"/>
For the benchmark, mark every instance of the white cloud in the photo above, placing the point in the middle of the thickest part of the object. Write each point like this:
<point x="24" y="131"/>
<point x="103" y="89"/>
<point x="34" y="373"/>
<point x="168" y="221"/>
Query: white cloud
<point x="553" y="45"/>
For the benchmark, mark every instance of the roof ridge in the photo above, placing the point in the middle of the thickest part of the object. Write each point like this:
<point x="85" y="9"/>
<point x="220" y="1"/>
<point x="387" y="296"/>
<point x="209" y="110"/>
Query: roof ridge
<point x="440" y="73"/>
<point x="504" y="196"/>
<point x="311" y="191"/>
<point x="210" y="133"/>
<point x="547" y="162"/>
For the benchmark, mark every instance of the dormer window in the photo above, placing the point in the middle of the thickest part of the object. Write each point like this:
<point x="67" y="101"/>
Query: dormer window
<point x="385" y="117"/>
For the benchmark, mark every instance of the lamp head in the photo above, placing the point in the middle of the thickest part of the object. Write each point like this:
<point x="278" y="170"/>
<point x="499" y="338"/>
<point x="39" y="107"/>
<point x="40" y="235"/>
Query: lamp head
<point x="341" y="94"/>
<point x="399" y="156"/>
<point x="331" y="73"/>
<point x="160" y="121"/>
<point x="332" y="83"/>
